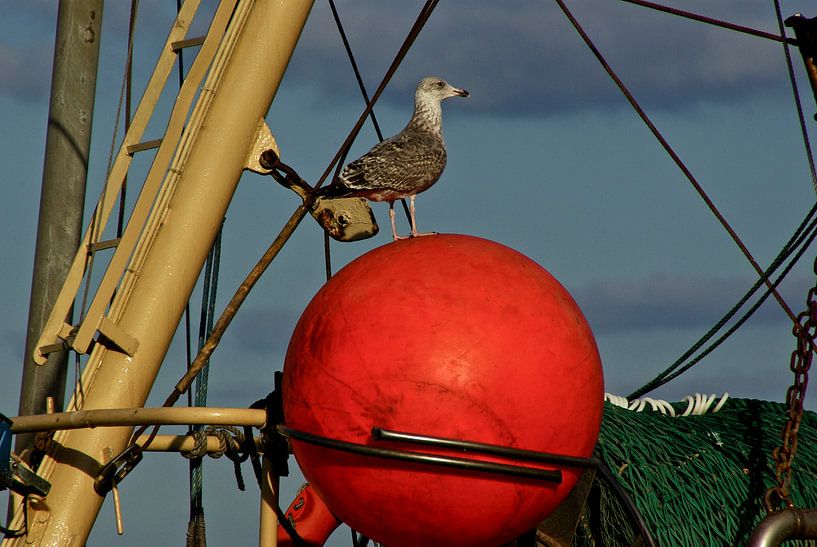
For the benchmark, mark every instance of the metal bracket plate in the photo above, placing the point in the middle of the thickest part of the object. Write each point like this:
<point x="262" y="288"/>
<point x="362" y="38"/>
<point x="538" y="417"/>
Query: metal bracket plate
<point x="263" y="141"/>
<point x="345" y="219"/>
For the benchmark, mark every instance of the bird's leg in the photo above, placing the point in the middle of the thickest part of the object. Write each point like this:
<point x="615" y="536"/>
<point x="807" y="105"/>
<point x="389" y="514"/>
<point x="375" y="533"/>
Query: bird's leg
<point x="393" y="222"/>
<point x="414" y="232"/>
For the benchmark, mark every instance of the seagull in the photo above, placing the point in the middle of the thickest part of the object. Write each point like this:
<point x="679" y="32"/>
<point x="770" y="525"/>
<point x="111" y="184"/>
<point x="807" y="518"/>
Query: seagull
<point x="406" y="164"/>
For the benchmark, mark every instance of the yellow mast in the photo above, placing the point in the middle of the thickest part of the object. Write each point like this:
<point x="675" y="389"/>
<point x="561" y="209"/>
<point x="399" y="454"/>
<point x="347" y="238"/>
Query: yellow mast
<point x="165" y="258"/>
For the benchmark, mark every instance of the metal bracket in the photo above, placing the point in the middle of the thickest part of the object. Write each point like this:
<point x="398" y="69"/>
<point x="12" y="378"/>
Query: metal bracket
<point x="25" y="481"/>
<point x="263" y="141"/>
<point x="113" y="472"/>
<point x="65" y="334"/>
<point x="14" y="474"/>
<point x="118" y="338"/>
<point x="111" y="336"/>
<point x="344" y="219"/>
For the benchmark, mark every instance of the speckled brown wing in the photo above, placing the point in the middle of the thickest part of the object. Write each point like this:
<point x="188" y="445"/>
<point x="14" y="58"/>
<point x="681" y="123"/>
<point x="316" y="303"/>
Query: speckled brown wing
<point x="405" y="164"/>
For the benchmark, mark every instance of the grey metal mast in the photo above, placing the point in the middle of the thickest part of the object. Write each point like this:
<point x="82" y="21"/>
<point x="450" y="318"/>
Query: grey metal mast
<point x="59" y="229"/>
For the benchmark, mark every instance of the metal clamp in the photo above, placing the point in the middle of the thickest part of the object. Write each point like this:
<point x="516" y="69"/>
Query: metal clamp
<point x="113" y="472"/>
<point x="14" y="474"/>
<point x="343" y="218"/>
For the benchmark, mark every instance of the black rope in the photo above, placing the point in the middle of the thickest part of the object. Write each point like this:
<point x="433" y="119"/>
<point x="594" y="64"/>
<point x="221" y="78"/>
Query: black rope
<point x="369" y="104"/>
<point x="713" y="21"/>
<point x="423" y="16"/>
<point x="134" y="7"/>
<point x="671" y="152"/>
<point x="629" y="506"/>
<point x="353" y="62"/>
<point x="668" y="374"/>
<point x="748" y="314"/>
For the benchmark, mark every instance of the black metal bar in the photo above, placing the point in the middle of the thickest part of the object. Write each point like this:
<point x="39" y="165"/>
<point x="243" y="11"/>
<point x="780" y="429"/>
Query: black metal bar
<point x="380" y="434"/>
<point x="629" y="506"/>
<point x="593" y="462"/>
<point x="423" y="458"/>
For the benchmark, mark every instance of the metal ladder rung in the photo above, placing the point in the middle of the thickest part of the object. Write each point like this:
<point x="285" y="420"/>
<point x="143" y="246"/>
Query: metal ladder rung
<point x="190" y="42"/>
<point x="142" y="146"/>
<point x="102" y="245"/>
<point x="53" y="348"/>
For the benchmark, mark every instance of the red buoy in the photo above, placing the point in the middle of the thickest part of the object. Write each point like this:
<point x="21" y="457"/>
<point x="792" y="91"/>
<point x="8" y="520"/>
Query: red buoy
<point x="449" y="336"/>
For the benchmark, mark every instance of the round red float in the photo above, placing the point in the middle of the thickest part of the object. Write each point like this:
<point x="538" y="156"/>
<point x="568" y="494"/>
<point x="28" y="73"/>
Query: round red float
<point x="449" y="336"/>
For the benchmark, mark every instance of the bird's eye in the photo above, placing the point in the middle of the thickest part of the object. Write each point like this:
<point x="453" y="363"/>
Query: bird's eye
<point x="440" y="84"/>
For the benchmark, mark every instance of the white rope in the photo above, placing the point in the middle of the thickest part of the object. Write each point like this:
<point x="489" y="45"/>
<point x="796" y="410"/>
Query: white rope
<point x="697" y="404"/>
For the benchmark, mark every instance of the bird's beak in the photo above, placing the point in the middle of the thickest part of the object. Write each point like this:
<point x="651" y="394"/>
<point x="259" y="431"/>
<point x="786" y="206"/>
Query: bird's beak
<point x="461" y="92"/>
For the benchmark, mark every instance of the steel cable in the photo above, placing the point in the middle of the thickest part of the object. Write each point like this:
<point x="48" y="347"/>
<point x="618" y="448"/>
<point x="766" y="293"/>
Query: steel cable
<point x="668" y="375"/>
<point x="805" y="231"/>
<point x="712" y="21"/>
<point x="671" y="152"/>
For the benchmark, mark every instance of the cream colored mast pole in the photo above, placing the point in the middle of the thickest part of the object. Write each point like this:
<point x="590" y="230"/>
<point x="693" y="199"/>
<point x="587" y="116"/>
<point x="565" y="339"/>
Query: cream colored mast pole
<point x="152" y="307"/>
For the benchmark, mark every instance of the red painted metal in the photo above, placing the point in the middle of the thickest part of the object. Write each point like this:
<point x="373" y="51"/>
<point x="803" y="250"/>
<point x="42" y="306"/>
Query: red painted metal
<point x="310" y="517"/>
<point x="451" y="336"/>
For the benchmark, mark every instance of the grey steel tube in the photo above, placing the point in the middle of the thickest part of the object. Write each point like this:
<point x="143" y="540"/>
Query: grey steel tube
<point x="65" y="168"/>
<point x="784" y="525"/>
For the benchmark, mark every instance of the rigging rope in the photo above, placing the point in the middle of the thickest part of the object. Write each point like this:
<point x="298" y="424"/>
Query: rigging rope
<point x="355" y="69"/>
<point x="712" y="21"/>
<point x="679" y="163"/>
<point x="802" y="238"/>
<point x="196" y="531"/>
<point x="120" y="223"/>
<point x="351" y="56"/>
<point x="196" y="527"/>
<point x="665" y="376"/>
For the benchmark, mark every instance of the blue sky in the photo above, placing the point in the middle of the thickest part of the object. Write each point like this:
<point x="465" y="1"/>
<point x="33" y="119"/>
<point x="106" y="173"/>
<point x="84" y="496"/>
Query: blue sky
<point x="545" y="157"/>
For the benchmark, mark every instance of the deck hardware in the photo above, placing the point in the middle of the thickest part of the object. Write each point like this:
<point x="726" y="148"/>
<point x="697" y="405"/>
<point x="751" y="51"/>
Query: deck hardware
<point x="345" y="219"/>
<point x="113" y="472"/>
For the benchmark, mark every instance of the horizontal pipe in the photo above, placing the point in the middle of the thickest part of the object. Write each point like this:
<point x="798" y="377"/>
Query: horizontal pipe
<point x="784" y="525"/>
<point x="177" y="443"/>
<point x="139" y="416"/>
<point x="380" y="434"/>
<point x="180" y="443"/>
<point x="423" y="457"/>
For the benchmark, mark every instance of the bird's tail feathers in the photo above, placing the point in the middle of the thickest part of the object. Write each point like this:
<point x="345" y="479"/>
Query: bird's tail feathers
<point x="334" y="190"/>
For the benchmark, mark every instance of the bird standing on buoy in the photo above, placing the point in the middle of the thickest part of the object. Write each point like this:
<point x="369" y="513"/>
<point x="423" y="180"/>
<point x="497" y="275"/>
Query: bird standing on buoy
<point x="406" y="164"/>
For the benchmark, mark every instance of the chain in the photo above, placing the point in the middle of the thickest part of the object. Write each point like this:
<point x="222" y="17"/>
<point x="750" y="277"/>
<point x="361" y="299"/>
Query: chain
<point x="805" y="332"/>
